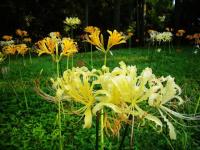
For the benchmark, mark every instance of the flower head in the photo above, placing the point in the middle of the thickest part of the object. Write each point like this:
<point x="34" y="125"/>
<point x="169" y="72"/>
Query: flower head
<point x="21" y="49"/>
<point x="27" y="40"/>
<point x="71" y="21"/>
<point x="7" y="37"/>
<point x="91" y="29"/>
<point x="47" y="45"/>
<point x="9" y="50"/>
<point x="69" y="47"/>
<point x="115" y="38"/>
<point x="21" y="33"/>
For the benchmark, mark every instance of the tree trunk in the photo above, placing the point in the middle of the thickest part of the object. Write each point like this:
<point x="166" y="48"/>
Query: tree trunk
<point x="117" y="4"/>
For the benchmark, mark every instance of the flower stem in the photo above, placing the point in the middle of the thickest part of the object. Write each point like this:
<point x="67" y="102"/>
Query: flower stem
<point x="67" y="62"/>
<point x="102" y="129"/>
<point x="30" y="58"/>
<point x="97" y="130"/>
<point x="59" y="125"/>
<point x="59" y="102"/>
<point x="91" y="58"/>
<point x="105" y="58"/>
<point x="132" y="135"/>
<point x="72" y="61"/>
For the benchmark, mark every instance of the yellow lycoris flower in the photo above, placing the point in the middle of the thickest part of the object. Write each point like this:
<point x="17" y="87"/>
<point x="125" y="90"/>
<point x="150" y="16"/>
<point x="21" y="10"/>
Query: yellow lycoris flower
<point x="71" y="21"/>
<point x="10" y="49"/>
<point x="46" y="46"/>
<point x="91" y="29"/>
<point x="96" y="39"/>
<point x="78" y="86"/>
<point x="55" y="34"/>
<point x="21" y="33"/>
<point x="21" y="49"/>
<point x="27" y="40"/>
<point x="7" y="37"/>
<point x="124" y="92"/>
<point x="115" y="38"/>
<point x="69" y="47"/>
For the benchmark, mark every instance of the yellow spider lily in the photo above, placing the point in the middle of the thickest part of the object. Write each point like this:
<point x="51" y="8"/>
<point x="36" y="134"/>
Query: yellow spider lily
<point x="96" y="39"/>
<point x="7" y="37"/>
<point x="91" y="29"/>
<point x="71" y="21"/>
<point x="115" y="38"/>
<point x="21" y="49"/>
<point x="69" y="47"/>
<point x="21" y="33"/>
<point x="77" y="84"/>
<point x="10" y="49"/>
<point x="47" y="45"/>
<point x="27" y="40"/>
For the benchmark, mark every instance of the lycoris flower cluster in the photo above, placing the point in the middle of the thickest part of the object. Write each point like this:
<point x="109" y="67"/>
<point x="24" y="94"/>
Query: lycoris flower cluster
<point x="122" y="90"/>
<point x="195" y="37"/>
<point x="180" y="33"/>
<point x="96" y="38"/>
<point x="7" y="37"/>
<point x="160" y="36"/>
<point x="71" y="21"/>
<point x="12" y="49"/>
<point x="21" y="33"/>
<point x="50" y="45"/>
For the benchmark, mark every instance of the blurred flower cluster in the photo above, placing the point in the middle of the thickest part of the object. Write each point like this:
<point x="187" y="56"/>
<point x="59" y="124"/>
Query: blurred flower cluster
<point x="159" y="37"/>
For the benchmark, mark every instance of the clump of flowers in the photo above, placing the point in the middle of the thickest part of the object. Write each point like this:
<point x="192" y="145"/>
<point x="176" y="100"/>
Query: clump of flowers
<point x="7" y="37"/>
<point x="71" y="23"/>
<point x="194" y="37"/>
<point x="124" y="92"/>
<point x="7" y="40"/>
<point x="180" y="33"/>
<point x="21" y="33"/>
<point x="50" y="46"/>
<point x="96" y="38"/>
<point x="160" y="36"/>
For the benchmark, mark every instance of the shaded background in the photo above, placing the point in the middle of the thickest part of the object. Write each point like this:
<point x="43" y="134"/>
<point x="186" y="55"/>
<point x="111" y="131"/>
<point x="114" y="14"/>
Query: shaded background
<point x="40" y="17"/>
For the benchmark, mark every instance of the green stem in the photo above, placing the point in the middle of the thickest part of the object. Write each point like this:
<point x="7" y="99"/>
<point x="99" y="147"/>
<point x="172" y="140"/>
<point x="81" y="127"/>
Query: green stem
<point x="9" y="60"/>
<point x="24" y="61"/>
<point x="102" y="129"/>
<point x="105" y="58"/>
<point x="25" y="97"/>
<point x="72" y="61"/>
<point x="132" y="135"/>
<point x="91" y="58"/>
<point x="59" y="125"/>
<point x="197" y="106"/>
<point x="30" y="58"/>
<point x="67" y="62"/>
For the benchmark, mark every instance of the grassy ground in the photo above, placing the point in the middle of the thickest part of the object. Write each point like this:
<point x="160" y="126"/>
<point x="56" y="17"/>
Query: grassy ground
<point x="35" y="128"/>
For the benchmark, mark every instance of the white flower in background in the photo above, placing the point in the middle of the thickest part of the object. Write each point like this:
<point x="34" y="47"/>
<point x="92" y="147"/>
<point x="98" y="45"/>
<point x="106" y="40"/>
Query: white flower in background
<point x="6" y="43"/>
<point x="196" y="51"/>
<point x="162" y="18"/>
<point x="159" y="50"/>
<point x="71" y="21"/>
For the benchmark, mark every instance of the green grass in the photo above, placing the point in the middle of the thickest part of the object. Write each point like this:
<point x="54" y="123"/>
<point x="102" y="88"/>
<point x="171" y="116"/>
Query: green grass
<point x="35" y="128"/>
